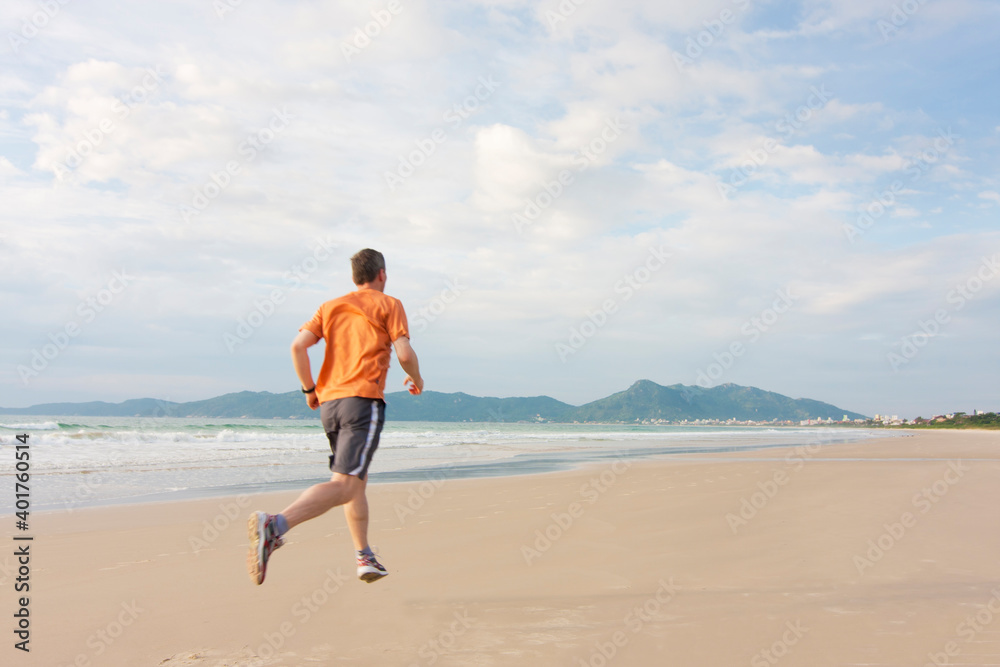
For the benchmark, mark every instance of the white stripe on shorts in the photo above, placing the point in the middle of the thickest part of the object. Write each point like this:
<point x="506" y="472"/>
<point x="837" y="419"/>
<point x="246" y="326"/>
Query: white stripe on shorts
<point x="368" y="441"/>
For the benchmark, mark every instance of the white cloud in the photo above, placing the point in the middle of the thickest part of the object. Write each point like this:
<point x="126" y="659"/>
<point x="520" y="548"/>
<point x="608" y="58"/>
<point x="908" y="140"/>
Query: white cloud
<point x="905" y="212"/>
<point x="8" y="170"/>
<point x="511" y="166"/>
<point x="841" y="111"/>
<point x="806" y="164"/>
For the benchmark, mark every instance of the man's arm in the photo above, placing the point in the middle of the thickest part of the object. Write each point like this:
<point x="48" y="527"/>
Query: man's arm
<point x="408" y="360"/>
<point x="300" y="360"/>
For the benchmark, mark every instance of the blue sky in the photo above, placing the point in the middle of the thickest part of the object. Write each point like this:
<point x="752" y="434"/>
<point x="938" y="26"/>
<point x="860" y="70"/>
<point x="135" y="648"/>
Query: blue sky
<point x="798" y="196"/>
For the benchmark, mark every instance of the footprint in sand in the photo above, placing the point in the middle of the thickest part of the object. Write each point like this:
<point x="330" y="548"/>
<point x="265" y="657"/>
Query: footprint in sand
<point x="213" y="658"/>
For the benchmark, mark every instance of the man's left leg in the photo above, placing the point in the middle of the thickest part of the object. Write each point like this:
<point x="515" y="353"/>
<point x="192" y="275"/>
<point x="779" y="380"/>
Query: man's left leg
<point x="356" y="513"/>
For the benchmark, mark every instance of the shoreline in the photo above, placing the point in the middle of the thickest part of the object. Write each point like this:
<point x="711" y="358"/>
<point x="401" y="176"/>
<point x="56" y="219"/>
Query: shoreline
<point x="520" y="464"/>
<point x="315" y="421"/>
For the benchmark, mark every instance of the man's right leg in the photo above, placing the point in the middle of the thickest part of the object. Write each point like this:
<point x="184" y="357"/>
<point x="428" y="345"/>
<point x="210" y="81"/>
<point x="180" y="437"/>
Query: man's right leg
<point x="265" y="530"/>
<point x="341" y="488"/>
<point x="321" y="498"/>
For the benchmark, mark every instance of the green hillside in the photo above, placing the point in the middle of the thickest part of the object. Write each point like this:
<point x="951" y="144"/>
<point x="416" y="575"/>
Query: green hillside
<point x="648" y="400"/>
<point x="644" y="400"/>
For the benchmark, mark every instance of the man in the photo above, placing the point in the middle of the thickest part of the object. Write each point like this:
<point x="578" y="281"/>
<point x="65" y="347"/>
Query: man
<point x="359" y="328"/>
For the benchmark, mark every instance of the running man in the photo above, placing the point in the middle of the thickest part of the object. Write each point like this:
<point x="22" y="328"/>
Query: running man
<point x="359" y="329"/>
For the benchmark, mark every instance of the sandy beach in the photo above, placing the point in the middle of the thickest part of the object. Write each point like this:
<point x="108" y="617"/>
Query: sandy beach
<point x="883" y="552"/>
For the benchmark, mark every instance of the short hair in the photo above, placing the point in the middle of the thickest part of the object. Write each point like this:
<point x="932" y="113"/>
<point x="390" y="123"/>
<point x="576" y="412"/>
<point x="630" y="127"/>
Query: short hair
<point x="365" y="265"/>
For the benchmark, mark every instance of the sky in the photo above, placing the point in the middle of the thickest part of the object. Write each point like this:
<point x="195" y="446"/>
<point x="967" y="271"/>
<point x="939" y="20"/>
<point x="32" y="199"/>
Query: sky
<point x="570" y="196"/>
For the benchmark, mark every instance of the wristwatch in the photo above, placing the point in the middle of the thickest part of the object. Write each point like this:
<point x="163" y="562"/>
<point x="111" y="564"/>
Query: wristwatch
<point x="309" y="391"/>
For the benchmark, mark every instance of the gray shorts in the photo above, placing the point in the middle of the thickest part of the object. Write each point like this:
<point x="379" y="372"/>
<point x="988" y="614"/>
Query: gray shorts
<point x="353" y="426"/>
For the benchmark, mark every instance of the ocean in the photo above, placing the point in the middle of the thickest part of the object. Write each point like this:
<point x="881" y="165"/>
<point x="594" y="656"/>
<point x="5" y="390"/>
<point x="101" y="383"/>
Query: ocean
<point x="88" y="461"/>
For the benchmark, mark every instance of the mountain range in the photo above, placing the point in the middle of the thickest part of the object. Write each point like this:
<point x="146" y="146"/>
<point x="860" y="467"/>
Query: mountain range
<point x="644" y="400"/>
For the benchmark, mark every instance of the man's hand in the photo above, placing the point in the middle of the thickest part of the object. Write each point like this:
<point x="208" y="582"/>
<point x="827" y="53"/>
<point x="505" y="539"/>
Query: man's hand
<point x="312" y="401"/>
<point x="414" y="386"/>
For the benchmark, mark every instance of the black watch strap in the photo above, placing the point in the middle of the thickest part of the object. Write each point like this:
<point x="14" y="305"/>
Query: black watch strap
<point x="309" y="391"/>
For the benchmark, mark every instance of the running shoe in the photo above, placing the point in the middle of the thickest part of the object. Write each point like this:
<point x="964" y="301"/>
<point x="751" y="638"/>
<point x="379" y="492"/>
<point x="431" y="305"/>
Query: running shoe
<point x="369" y="569"/>
<point x="264" y="539"/>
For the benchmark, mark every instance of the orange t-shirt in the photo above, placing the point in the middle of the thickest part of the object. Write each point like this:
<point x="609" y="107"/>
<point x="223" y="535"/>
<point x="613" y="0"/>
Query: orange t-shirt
<point x="359" y="329"/>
